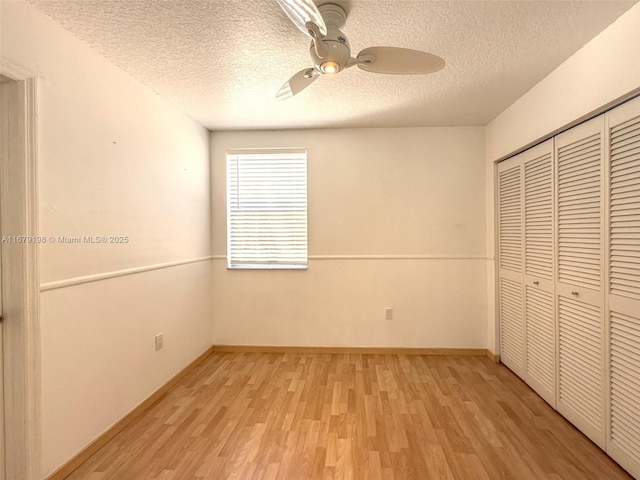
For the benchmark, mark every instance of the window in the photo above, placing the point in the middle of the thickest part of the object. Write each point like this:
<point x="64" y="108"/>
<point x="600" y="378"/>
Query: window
<point x="267" y="208"/>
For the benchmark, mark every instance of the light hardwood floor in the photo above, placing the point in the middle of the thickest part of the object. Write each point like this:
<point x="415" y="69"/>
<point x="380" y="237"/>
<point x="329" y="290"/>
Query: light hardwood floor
<point x="259" y="416"/>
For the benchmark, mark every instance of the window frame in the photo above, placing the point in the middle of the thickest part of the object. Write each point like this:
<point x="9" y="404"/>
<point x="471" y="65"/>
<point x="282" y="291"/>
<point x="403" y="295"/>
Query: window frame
<point x="232" y="155"/>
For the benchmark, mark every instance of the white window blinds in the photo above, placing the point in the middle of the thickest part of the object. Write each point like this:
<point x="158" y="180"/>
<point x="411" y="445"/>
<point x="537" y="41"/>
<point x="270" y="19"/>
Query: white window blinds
<point x="267" y="209"/>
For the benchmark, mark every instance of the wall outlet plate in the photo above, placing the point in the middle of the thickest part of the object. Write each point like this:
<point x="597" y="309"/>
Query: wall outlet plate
<point x="388" y="313"/>
<point x="159" y="341"/>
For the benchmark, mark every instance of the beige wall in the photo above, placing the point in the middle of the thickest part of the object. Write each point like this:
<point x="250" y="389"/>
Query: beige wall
<point x="396" y="219"/>
<point x="98" y="349"/>
<point x="605" y="70"/>
<point x="114" y="159"/>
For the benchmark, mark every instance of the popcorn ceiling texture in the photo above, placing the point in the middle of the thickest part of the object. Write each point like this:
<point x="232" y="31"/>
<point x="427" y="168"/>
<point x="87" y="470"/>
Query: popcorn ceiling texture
<point x="222" y="61"/>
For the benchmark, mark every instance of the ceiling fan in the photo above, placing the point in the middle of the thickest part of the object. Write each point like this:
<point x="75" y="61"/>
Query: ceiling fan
<point x="331" y="53"/>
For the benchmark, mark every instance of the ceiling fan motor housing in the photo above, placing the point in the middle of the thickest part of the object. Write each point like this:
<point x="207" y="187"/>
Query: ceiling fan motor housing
<point x="338" y="48"/>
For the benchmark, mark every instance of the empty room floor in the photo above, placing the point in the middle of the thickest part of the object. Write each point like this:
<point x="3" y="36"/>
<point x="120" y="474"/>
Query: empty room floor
<point x="259" y="416"/>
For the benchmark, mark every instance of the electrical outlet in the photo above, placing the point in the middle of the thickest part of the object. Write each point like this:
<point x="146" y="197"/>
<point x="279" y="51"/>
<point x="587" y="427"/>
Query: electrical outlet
<point x="159" y="341"/>
<point x="388" y="313"/>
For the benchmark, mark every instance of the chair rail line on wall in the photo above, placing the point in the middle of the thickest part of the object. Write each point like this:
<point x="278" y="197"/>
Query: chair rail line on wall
<point x="118" y="273"/>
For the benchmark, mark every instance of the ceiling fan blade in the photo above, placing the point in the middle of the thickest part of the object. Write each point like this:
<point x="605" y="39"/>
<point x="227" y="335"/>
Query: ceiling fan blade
<point x="400" y="61"/>
<point x="302" y="11"/>
<point x="297" y="83"/>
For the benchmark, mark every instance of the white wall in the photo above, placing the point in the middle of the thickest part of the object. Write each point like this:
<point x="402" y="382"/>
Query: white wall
<point x="374" y="194"/>
<point x="605" y="70"/>
<point x="114" y="159"/>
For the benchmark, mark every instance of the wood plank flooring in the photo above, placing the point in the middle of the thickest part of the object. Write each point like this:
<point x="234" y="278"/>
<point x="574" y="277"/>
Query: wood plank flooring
<point x="268" y="416"/>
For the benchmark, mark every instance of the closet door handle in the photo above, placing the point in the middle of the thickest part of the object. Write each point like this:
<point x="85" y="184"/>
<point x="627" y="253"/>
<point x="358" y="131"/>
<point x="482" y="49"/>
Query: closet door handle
<point x="575" y="294"/>
<point x="536" y="283"/>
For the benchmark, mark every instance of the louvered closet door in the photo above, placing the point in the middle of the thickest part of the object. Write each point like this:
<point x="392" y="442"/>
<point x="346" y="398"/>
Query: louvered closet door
<point x="623" y="442"/>
<point x="511" y="266"/>
<point x="539" y="304"/>
<point x="580" y="278"/>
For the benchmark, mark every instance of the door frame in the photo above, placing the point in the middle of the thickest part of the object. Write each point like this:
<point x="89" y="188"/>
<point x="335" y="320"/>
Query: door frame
<point x="21" y="295"/>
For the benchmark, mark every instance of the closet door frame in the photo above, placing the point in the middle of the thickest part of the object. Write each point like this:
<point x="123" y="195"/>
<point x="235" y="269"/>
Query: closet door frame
<point x="616" y="303"/>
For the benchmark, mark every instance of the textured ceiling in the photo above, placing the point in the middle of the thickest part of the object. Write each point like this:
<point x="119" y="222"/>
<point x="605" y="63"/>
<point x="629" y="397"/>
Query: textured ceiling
<point x="222" y="61"/>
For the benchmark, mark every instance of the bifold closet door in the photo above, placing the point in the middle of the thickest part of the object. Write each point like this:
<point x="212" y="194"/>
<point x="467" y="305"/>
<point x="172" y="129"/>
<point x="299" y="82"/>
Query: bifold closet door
<point x="580" y="278"/>
<point x="539" y="299"/>
<point x="623" y="439"/>
<point x="526" y="288"/>
<point x="510" y="266"/>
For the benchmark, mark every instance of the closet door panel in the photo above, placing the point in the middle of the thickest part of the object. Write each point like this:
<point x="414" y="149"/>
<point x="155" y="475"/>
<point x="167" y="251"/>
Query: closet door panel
<point x="541" y="341"/>
<point x="510" y="258"/>
<point x="538" y="205"/>
<point x="581" y="367"/>
<point x="580" y="278"/>
<point x="539" y="269"/>
<point x="623" y="442"/>
<point x="510" y="216"/>
<point x="512" y="329"/>
<point x="579" y="155"/>
<point x="624" y="202"/>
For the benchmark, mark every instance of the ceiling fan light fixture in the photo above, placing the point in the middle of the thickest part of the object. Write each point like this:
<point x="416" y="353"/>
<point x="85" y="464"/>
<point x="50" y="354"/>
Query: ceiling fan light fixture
<point x="330" y="67"/>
